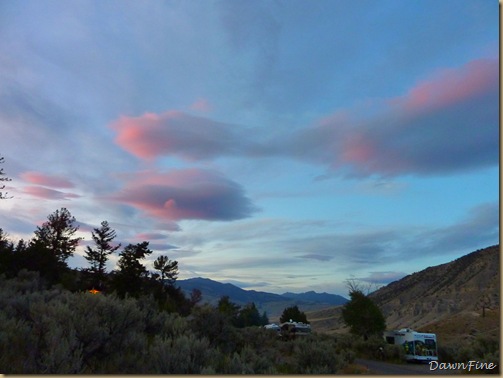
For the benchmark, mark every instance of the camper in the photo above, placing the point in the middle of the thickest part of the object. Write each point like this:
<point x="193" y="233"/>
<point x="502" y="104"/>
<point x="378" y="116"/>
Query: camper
<point x="418" y="346"/>
<point x="289" y="330"/>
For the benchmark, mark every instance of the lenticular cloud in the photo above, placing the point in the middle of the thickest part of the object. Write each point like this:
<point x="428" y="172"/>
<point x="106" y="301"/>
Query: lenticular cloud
<point x="186" y="194"/>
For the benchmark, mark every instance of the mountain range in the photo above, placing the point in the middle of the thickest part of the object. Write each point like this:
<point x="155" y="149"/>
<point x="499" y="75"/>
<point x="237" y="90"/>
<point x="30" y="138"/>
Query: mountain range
<point x="272" y="304"/>
<point x="457" y="299"/>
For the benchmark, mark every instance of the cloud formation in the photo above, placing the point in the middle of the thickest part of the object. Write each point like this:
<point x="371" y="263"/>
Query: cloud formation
<point x="186" y="194"/>
<point x="177" y="134"/>
<point x="445" y="124"/>
<point x="385" y="278"/>
<point x="46" y="180"/>
<point x="46" y="193"/>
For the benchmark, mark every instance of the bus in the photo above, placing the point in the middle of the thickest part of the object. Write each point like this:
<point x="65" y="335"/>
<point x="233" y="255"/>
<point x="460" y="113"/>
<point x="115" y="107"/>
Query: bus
<point x="418" y="346"/>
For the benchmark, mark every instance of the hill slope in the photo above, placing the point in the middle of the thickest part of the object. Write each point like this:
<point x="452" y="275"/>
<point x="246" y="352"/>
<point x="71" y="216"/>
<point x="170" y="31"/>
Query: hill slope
<point x="430" y="295"/>
<point x="434" y="295"/>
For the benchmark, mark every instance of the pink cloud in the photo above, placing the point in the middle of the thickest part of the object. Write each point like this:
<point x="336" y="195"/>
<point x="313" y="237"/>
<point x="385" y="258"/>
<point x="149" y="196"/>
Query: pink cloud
<point x="175" y="133"/>
<point x="446" y="124"/>
<point x="452" y="86"/>
<point x="186" y="194"/>
<point x="46" y="193"/>
<point x="46" y="180"/>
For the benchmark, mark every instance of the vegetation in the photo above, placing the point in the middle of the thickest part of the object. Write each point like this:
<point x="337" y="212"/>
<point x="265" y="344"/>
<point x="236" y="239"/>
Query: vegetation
<point x="55" y="331"/>
<point x="138" y="322"/>
<point x="57" y="234"/>
<point x="3" y="178"/>
<point x="362" y="315"/>
<point x="98" y="256"/>
<point x="293" y="314"/>
<point x="141" y="323"/>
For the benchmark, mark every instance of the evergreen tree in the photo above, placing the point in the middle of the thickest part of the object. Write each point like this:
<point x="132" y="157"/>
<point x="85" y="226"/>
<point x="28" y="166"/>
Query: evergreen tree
<point x="168" y="269"/>
<point x="98" y="256"/>
<point x="57" y="234"/>
<point x="293" y="313"/>
<point x="7" y="255"/>
<point x="249" y="316"/>
<point x="132" y="273"/>
<point x="363" y="316"/>
<point x="228" y="308"/>
<point x="264" y="319"/>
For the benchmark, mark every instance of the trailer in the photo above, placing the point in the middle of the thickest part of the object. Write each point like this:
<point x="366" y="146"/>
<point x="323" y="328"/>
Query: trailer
<point x="418" y="346"/>
<point x="288" y="330"/>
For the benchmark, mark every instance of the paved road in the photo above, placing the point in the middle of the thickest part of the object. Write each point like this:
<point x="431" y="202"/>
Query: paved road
<point x="379" y="367"/>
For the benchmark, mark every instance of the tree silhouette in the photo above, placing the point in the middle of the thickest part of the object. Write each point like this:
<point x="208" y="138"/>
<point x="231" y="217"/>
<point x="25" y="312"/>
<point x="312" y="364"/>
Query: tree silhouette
<point x="362" y="315"/>
<point x="293" y="313"/>
<point x="98" y="256"/>
<point x="132" y="273"/>
<point x="228" y="308"/>
<point x="3" y="179"/>
<point x="57" y="234"/>
<point x="249" y="316"/>
<point x="168" y="269"/>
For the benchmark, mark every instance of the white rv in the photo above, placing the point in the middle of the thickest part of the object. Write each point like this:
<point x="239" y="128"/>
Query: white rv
<point x="418" y="346"/>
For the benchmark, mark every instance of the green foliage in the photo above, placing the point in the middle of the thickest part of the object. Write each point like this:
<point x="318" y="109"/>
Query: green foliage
<point x="57" y="234"/>
<point x="249" y="316"/>
<point x="37" y="257"/>
<point x="294" y="314"/>
<point x="363" y="316"/>
<point x="56" y="331"/>
<point x="228" y="308"/>
<point x="131" y="274"/>
<point x="168" y="269"/>
<point x="482" y="349"/>
<point x="98" y="256"/>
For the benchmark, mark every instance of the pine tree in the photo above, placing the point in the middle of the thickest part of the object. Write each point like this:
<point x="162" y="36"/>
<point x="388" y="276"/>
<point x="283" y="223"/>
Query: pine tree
<point x="293" y="313"/>
<point x="57" y="234"/>
<point x="98" y="256"/>
<point x="168" y="269"/>
<point x="132" y="273"/>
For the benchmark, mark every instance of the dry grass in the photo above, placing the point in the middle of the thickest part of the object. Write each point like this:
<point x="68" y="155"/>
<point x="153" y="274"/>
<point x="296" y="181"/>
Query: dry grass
<point x="465" y="326"/>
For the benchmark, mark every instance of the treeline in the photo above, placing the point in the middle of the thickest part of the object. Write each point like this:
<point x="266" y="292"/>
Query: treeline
<point x="55" y="242"/>
<point x="138" y="322"/>
<point x="56" y="331"/>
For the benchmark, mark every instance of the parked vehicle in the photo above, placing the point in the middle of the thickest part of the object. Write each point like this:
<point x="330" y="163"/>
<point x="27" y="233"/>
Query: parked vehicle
<point x="289" y="330"/>
<point x="417" y="346"/>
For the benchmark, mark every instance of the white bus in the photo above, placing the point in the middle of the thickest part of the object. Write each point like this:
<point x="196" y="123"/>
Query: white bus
<point x="418" y="346"/>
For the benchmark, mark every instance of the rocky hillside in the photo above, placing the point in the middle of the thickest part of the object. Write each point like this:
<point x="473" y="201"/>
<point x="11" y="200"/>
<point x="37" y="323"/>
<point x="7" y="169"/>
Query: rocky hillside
<point x="467" y="285"/>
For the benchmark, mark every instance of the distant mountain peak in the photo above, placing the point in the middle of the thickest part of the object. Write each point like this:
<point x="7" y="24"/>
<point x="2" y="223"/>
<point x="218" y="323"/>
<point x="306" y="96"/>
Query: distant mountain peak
<point x="273" y="304"/>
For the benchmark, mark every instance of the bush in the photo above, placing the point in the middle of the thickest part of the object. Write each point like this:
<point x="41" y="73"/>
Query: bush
<point x="59" y="332"/>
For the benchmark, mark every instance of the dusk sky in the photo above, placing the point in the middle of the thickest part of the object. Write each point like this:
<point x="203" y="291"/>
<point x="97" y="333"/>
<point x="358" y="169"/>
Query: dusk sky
<point x="277" y="145"/>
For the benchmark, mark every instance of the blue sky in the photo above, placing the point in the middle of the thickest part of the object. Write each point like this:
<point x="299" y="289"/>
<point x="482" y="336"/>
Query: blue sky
<point x="278" y="145"/>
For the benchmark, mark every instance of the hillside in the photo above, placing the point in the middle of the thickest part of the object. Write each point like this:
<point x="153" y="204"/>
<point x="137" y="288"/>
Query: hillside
<point x="435" y="296"/>
<point x="435" y="293"/>
<point x="272" y="304"/>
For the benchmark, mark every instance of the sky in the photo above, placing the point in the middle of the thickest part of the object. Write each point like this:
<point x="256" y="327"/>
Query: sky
<point x="276" y="145"/>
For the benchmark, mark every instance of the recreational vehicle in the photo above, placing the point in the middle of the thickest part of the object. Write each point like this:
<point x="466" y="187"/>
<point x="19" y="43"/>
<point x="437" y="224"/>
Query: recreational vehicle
<point x="418" y="346"/>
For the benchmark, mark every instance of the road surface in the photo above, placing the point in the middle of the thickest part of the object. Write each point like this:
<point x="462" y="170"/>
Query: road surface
<point x="386" y="368"/>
